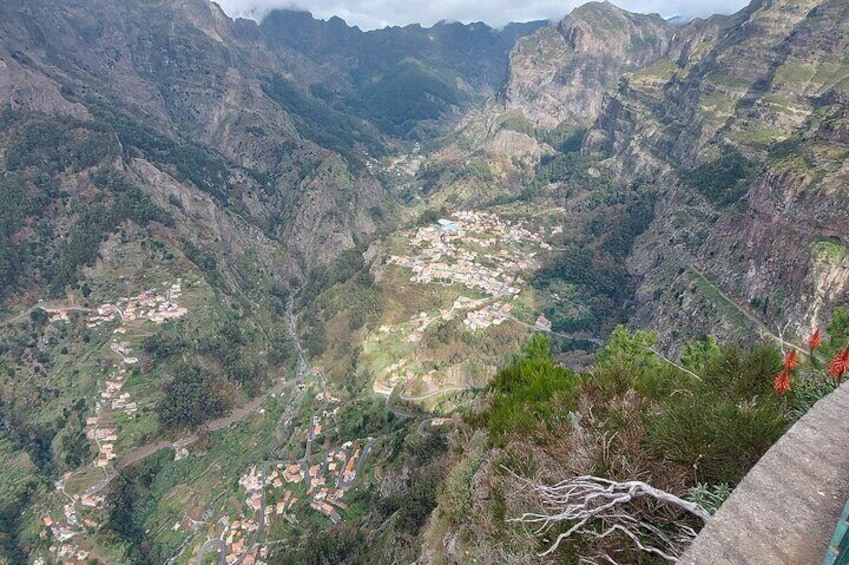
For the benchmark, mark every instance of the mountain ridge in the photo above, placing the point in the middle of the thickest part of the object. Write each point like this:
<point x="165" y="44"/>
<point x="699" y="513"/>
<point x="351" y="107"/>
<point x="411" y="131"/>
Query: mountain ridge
<point x="334" y="220"/>
<point x="560" y="76"/>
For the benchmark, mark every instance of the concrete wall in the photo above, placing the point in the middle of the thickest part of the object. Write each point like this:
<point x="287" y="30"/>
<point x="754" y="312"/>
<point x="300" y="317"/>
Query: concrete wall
<point x="785" y="510"/>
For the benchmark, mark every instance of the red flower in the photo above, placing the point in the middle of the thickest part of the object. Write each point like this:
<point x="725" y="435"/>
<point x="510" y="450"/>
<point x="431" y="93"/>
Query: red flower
<point x="814" y="341"/>
<point x="840" y="364"/>
<point x="782" y="383"/>
<point x="791" y="361"/>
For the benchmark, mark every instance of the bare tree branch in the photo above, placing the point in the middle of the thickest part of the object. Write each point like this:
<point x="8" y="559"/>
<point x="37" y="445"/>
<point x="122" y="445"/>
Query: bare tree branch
<point x="588" y="500"/>
<point x="669" y="361"/>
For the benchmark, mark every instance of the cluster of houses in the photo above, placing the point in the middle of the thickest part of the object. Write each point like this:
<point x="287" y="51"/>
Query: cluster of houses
<point x="474" y="249"/>
<point x="325" y="483"/>
<point x="154" y="306"/>
<point x="69" y="554"/>
<point x="274" y="492"/>
<point x="277" y="484"/>
<point x="72" y="524"/>
<point x="112" y="400"/>
<point x="479" y="251"/>
<point x="157" y="305"/>
<point x="237" y="535"/>
<point x="494" y="315"/>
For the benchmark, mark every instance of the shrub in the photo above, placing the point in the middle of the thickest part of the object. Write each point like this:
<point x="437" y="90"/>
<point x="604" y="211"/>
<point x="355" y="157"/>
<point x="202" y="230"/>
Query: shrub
<point x="524" y="393"/>
<point x="722" y="181"/>
<point x="721" y="426"/>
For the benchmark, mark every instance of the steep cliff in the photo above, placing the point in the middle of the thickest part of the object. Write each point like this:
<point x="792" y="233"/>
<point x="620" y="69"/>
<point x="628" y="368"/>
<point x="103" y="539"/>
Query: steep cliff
<point x="178" y="75"/>
<point x="561" y="73"/>
<point x="744" y="120"/>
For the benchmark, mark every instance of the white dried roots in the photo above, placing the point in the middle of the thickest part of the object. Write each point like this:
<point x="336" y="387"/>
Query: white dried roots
<point x="589" y="501"/>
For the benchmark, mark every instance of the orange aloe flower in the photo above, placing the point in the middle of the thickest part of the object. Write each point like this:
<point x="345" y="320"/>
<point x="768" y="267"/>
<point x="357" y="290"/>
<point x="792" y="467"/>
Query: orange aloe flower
<point x="840" y="364"/>
<point x="791" y="360"/>
<point x="814" y="341"/>
<point x="782" y="383"/>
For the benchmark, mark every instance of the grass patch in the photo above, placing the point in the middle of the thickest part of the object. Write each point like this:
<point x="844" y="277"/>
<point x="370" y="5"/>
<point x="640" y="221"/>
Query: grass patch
<point x="727" y="309"/>
<point x="829" y="251"/>
<point x="527" y="392"/>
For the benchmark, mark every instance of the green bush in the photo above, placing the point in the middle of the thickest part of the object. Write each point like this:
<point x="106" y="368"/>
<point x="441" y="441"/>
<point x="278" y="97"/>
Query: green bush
<point x="722" y="425"/>
<point x="710" y="498"/>
<point x="457" y="490"/>
<point x="723" y="181"/>
<point x="523" y="393"/>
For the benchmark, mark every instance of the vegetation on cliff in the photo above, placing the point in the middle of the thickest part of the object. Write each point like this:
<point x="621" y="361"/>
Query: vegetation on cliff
<point x="692" y="429"/>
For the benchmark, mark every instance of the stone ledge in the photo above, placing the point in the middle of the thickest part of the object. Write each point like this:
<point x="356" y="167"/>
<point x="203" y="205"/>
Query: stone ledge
<point x="784" y="511"/>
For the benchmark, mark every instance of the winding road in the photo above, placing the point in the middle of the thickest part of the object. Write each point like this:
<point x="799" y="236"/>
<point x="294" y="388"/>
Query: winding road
<point x="399" y="412"/>
<point x="425" y="396"/>
<point x="303" y="371"/>
<point x="565" y="336"/>
<point x="217" y="544"/>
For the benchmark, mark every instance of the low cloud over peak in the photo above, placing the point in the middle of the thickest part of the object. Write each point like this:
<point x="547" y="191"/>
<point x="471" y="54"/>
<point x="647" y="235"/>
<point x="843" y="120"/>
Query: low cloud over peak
<point x="371" y="14"/>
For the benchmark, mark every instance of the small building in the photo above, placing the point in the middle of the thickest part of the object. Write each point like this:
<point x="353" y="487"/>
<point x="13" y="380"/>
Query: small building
<point x="542" y="324"/>
<point x="448" y="225"/>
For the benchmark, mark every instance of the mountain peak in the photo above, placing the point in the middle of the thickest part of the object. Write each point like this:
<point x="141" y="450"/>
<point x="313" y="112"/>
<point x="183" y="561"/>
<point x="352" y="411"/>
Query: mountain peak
<point x="574" y="62"/>
<point x="608" y="14"/>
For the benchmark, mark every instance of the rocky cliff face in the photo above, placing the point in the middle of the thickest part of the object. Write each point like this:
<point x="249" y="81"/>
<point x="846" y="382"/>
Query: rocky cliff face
<point x="744" y="120"/>
<point x="561" y="73"/>
<point x="186" y="73"/>
<point x="291" y="110"/>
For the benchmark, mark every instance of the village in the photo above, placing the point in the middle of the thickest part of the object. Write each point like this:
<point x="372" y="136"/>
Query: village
<point x="82" y="512"/>
<point x="477" y="250"/>
<point x="482" y="253"/>
<point x="280" y="490"/>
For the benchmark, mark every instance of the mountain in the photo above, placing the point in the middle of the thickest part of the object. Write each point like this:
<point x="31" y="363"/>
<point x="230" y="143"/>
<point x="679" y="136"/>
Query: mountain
<point x="717" y="119"/>
<point x="288" y="281"/>
<point x="559" y="74"/>
<point x="746" y="144"/>
<point x="163" y="162"/>
<point x="709" y="189"/>
<point x="266" y="113"/>
<point x="401" y="78"/>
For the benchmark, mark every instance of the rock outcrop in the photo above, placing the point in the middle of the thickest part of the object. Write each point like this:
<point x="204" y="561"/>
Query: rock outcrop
<point x="562" y="72"/>
<point x="764" y="93"/>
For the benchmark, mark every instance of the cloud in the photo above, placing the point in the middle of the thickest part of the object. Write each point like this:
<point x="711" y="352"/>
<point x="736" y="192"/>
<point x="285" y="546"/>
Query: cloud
<point x="371" y="14"/>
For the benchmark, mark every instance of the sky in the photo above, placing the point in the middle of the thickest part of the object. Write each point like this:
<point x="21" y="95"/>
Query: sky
<point x="371" y="14"/>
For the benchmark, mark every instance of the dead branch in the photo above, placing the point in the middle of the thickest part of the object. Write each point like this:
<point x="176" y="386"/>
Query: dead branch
<point x="669" y="361"/>
<point x="586" y="499"/>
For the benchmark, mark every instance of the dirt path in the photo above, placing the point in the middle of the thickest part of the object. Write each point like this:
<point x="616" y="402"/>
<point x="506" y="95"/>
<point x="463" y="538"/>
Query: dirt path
<point x="760" y="326"/>
<point x="236" y="415"/>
